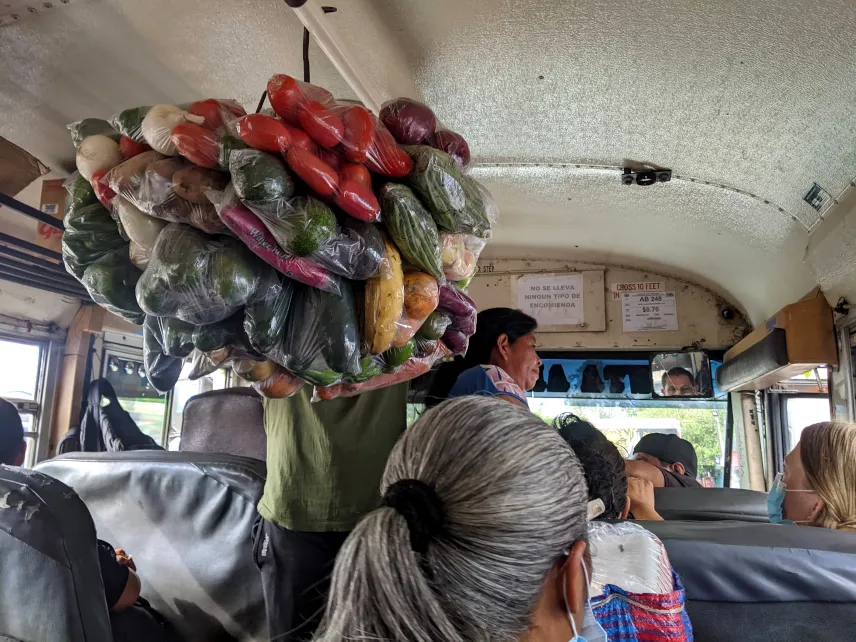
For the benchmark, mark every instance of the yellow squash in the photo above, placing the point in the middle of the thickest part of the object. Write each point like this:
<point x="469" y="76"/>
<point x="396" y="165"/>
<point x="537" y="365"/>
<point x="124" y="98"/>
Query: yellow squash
<point x="384" y="301"/>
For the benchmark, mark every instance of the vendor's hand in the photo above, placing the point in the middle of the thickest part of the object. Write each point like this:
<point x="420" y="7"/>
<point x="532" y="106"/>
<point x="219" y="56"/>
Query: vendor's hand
<point x="125" y="560"/>
<point x="640" y="492"/>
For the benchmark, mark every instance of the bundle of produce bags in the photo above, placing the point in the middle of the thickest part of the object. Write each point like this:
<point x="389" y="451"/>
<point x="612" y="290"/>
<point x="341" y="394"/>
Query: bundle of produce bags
<point x="312" y="243"/>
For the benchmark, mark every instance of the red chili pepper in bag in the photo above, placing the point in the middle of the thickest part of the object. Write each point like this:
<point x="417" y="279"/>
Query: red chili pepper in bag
<point x="358" y="133"/>
<point x="355" y="173"/>
<point x="300" y="138"/>
<point x="359" y="201"/>
<point x="386" y="157"/>
<point x="265" y="133"/>
<point x="197" y="144"/>
<point x="322" y="125"/>
<point x="318" y="175"/>
<point x="287" y="95"/>
<point x="216" y="113"/>
<point x="102" y="190"/>
<point x="330" y="157"/>
<point x="130" y="148"/>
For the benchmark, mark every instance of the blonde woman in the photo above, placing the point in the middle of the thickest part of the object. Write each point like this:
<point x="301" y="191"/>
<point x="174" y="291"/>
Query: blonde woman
<point x="818" y="487"/>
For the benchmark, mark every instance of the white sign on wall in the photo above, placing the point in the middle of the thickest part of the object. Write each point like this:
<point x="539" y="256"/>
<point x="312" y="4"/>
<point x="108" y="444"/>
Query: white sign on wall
<point x="648" y="311"/>
<point x="552" y="299"/>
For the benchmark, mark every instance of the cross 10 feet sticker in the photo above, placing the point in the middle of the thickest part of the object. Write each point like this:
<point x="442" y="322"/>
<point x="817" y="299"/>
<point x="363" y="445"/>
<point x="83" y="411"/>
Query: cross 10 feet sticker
<point x="552" y="299"/>
<point x="648" y="311"/>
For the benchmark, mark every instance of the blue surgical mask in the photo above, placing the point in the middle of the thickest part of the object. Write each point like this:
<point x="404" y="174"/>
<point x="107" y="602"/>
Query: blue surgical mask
<point x="776" y="497"/>
<point x="592" y="630"/>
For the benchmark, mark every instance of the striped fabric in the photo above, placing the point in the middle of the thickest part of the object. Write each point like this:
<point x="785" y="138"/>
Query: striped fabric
<point x="643" y="617"/>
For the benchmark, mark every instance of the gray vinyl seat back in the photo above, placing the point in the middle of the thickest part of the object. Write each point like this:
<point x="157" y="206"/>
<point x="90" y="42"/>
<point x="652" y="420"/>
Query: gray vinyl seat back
<point x="748" y="581"/>
<point x="186" y="519"/>
<point x="50" y="584"/>
<point x="229" y="421"/>
<point x="708" y="504"/>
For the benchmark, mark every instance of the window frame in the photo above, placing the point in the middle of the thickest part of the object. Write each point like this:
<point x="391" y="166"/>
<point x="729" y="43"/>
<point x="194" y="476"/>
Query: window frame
<point x="41" y="408"/>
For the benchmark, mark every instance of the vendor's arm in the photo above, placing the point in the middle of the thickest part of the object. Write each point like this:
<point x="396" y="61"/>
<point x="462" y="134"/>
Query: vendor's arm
<point x="644" y="470"/>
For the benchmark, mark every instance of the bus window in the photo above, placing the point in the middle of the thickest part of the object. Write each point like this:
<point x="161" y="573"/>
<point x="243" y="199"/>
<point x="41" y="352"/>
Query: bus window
<point x="802" y="412"/>
<point x="701" y="422"/>
<point x="21" y="383"/>
<point x="183" y="391"/>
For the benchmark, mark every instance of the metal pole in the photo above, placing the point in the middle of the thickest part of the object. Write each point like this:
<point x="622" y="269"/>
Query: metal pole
<point x="14" y="268"/>
<point x="21" y="244"/>
<point x="32" y="212"/>
<point x="57" y="289"/>
<point x="311" y="14"/>
<point x="22" y="257"/>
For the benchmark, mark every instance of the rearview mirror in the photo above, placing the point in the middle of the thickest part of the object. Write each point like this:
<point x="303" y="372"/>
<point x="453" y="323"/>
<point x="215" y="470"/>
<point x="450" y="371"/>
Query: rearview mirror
<point x="681" y="374"/>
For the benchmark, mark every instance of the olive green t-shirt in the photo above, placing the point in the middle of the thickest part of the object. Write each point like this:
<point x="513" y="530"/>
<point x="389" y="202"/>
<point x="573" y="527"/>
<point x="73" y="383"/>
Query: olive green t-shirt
<point x="325" y="459"/>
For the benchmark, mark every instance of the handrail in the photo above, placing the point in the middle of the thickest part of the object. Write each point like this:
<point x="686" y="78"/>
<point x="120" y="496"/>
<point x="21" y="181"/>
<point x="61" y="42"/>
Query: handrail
<point x="32" y="212"/>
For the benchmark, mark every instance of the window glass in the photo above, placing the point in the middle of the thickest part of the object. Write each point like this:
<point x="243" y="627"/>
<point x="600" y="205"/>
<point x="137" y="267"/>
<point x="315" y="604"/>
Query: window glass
<point x="147" y="414"/>
<point x="19" y="376"/>
<point x="136" y="395"/>
<point x="414" y="410"/>
<point x="183" y="391"/>
<point x="802" y="412"/>
<point x="702" y="423"/>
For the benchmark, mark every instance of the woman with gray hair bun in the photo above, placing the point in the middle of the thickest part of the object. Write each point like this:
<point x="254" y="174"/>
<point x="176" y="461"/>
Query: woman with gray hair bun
<point x="481" y="536"/>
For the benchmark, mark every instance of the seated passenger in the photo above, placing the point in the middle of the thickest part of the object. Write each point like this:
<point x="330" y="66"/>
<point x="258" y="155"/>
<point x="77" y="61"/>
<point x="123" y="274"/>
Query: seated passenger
<point x="665" y="461"/>
<point x="818" y="487"/>
<point x="13" y="448"/>
<point x="500" y="362"/>
<point x="679" y="382"/>
<point x="603" y="467"/>
<point x="630" y="564"/>
<point x="481" y="536"/>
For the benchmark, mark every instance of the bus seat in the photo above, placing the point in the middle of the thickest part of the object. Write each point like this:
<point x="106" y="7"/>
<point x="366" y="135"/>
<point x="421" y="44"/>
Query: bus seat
<point x="186" y="519"/>
<point x="227" y="421"/>
<point x="51" y="586"/>
<point x="747" y="581"/>
<point x="709" y="504"/>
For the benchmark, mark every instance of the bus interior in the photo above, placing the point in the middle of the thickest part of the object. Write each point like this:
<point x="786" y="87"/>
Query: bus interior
<point x="685" y="169"/>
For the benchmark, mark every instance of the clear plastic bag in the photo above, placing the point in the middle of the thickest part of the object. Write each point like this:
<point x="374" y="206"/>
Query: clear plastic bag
<point x="321" y="341"/>
<point x="139" y="256"/>
<point x="630" y="557"/>
<point x="129" y="122"/>
<point x="90" y="234"/>
<point x="197" y="278"/>
<point x="160" y="121"/>
<point x="413" y="123"/>
<point x="412" y="368"/>
<point x="248" y="227"/>
<point x="141" y="229"/>
<point x="460" y="255"/>
<point x="176" y="336"/>
<point x="111" y="282"/>
<point x="456" y="201"/>
<point x="383" y="303"/>
<point x="228" y="332"/>
<point x="421" y="298"/>
<point x="279" y="385"/>
<point x="202" y="365"/>
<point x="303" y="227"/>
<point x="412" y="228"/>
<point x="83" y="129"/>
<point x="266" y="317"/>
<point x="126" y="179"/>
<point x="80" y="194"/>
<point x="174" y="190"/>
<point x="253" y="371"/>
<point x="162" y="371"/>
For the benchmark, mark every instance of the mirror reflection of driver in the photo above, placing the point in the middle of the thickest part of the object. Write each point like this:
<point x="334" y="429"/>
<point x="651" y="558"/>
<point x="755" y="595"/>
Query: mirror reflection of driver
<point x="679" y="382"/>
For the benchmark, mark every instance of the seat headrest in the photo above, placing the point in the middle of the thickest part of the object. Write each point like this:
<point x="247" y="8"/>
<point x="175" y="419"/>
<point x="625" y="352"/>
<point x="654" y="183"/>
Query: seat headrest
<point x="49" y="557"/>
<point x="186" y="519"/>
<point x="729" y="561"/>
<point x="225" y="421"/>
<point x="705" y="504"/>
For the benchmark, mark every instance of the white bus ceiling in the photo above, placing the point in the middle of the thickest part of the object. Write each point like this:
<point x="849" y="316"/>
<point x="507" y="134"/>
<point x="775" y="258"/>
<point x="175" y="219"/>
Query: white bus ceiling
<point x="749" y="103"/>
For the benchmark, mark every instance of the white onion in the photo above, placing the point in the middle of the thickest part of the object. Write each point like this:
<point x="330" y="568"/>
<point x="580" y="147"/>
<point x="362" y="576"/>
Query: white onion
<point x="159" y="123"/>
<point x="96" y="153"/>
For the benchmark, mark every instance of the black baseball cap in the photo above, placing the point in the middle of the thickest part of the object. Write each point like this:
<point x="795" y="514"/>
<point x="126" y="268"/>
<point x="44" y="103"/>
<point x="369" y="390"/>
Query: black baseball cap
<point x="669" y="449"/>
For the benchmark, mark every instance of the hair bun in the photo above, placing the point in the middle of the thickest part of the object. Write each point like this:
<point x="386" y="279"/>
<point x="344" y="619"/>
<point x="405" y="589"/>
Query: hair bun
<point x="420" y="506"/>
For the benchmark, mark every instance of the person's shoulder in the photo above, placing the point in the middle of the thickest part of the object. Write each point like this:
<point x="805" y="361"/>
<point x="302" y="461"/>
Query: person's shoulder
<point x="672" y="479"/>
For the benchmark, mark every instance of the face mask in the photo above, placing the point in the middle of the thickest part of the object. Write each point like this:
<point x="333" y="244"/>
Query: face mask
<point x="592" y="631"/>
<point x="775" y="498"/>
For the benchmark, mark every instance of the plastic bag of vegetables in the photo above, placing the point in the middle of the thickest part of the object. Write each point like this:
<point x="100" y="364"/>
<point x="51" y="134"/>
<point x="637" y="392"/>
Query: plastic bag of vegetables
<point x="321" y="341"/>
<point x="460" y="255"/>
<point x="111" y="281"/>
<point x="175" y="336"/>
<point x="97" y="153"/>
<point x="413" y="123"/>
<point x="279" y="385"/>
<point x="80" y="193"/>
<point x="412" y="228"/>
<point x="462" y="314"/>
<point x="383" y="303"/>
<point x="126" y="179"/>
<point x="266" y="317"/>
<point x="90" y="234"/>
<point x="82" y="129"/>
<point x="248" y="227"/>
<point x="410" y="369"/>
<point x="142" y="230"/>
<point x="197" y="278"/>
<point x="174" y="190"/>
<point x="162" y="371"/>
<point x="456" y="201"/>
